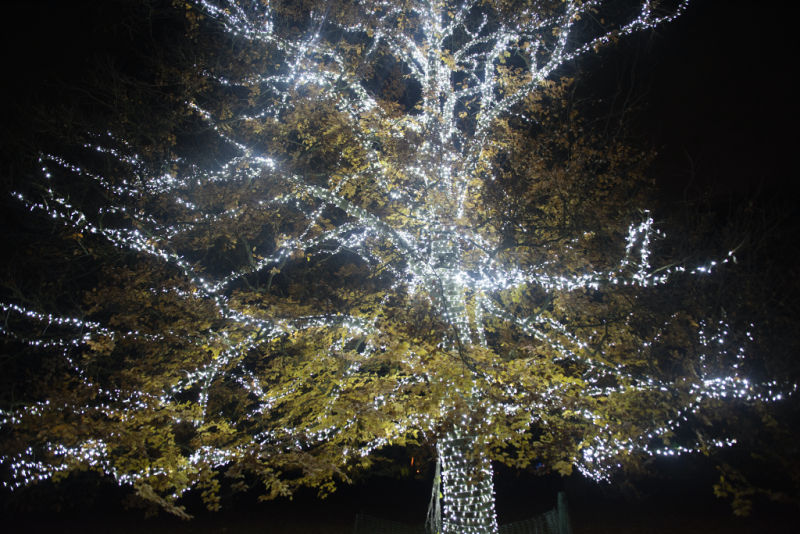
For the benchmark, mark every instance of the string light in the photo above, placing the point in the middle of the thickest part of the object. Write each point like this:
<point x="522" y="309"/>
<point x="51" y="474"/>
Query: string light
<point x="453" y="52"/>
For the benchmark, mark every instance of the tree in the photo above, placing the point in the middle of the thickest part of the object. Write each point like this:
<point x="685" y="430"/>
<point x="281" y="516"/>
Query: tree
<point x="389" y="227"/>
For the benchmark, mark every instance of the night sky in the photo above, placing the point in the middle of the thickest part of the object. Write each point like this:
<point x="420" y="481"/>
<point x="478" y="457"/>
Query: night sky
<point x="722" y="97"/>
<point x="716" y="102"/>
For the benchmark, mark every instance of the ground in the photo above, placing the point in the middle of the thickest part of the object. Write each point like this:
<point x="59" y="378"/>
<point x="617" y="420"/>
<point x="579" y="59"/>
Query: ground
<point x="680" y="504"/>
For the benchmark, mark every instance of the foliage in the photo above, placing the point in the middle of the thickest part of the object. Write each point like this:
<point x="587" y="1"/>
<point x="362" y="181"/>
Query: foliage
<point x="371" y="224"/>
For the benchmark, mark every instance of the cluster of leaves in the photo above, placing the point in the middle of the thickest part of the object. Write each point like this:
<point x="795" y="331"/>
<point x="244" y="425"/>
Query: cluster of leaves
<point x="548" y="190"/>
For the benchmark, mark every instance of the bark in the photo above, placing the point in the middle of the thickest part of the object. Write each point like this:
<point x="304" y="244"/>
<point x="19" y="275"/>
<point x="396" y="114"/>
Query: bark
<point x="467" y="488"/>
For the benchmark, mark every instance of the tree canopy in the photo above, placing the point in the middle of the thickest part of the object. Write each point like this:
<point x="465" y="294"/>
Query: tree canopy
<point x="360" y="224"/>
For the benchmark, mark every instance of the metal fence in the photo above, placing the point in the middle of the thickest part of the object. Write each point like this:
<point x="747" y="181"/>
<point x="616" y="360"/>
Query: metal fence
<point x="366" y="524"/>
<point x="555" y="521"/>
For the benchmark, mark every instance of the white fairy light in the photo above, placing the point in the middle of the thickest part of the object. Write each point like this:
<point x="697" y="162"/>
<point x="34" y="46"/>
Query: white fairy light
<point x="436" y="254"/>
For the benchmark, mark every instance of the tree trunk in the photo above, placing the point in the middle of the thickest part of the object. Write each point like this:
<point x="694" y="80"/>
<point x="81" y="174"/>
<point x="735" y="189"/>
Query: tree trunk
<point x="467" y="489"/>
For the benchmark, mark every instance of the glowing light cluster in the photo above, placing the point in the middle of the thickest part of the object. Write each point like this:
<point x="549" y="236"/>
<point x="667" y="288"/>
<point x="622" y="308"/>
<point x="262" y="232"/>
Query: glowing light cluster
<point x="468" y="502"/>
<point x="454" y="53"/>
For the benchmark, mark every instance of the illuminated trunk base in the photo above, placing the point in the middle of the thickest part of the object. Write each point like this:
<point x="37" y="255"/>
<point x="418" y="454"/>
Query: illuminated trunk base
<point x="467" y="488"/>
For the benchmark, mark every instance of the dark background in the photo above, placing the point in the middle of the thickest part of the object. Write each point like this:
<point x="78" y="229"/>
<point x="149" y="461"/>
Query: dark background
<point x="711" y="92"/>
<point x="720" y="106"/>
